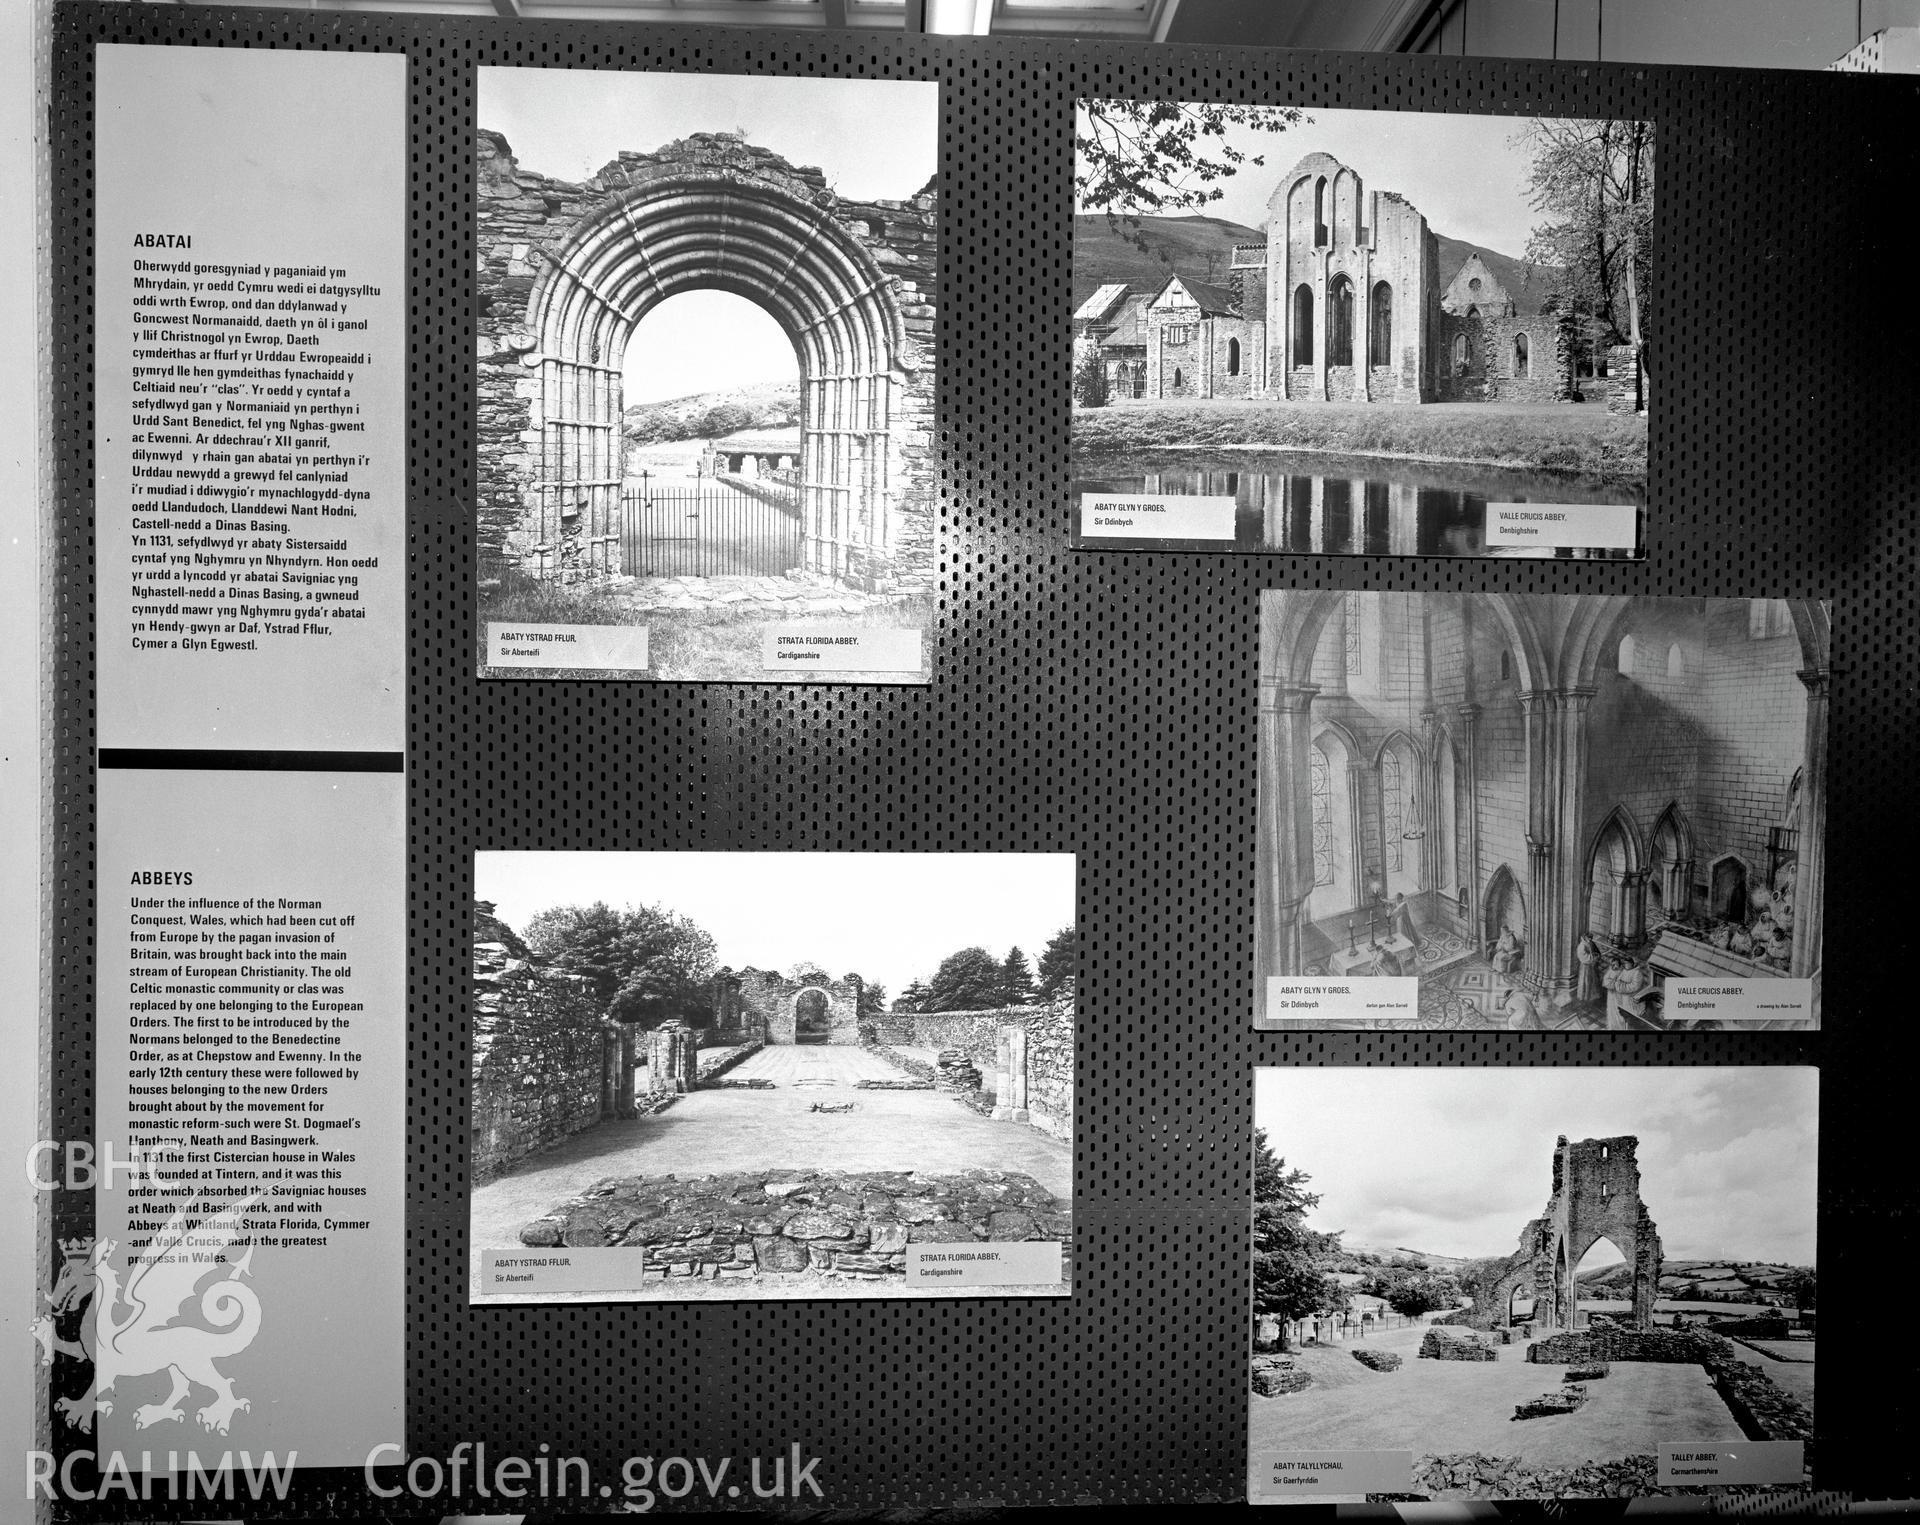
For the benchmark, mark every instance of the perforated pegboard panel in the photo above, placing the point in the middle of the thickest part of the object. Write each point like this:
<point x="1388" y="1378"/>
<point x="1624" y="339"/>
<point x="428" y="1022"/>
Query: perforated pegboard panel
<point x="1098" y="703"/>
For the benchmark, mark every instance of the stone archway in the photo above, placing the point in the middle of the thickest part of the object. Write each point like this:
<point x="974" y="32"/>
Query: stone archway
<point x="568" y="271"/>
<point x="765" y="1004"/>
<point x="812" y="1016"/>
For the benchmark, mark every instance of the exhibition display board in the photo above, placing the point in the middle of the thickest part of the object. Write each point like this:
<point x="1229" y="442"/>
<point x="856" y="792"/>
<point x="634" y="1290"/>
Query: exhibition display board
<point x="829" y="790"/>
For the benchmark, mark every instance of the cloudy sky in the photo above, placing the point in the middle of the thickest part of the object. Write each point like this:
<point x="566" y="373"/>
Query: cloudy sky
<point x="890" y="917"/>
<point x="1456" y="1161"/>
<point x="875" y="140"/>
<point x="1460" y="171"/>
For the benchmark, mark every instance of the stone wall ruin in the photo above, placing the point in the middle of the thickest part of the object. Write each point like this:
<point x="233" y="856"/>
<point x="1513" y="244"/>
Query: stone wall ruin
<point x="1596" y="1195"/>
<point x="762" y="1004"/>
<point x="546" y="1063"/>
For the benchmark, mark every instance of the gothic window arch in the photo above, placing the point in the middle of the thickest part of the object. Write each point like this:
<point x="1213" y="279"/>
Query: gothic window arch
<point x="1393" y="816"/>
<point x="1768" y="619"/>
<point x="1340" y="321"/>
<point x="1335" y="875"/>
<point x="1520" y="355"/>
<point x="1380" y="326"/>
<point x="1322" y="818"/>
<point x="1303" y="325"/>
<point x="1676" y="661"/>
<point x="1623" y="659"/>
<point x="1320" y="213"/>
<point x="1233" y="357"/>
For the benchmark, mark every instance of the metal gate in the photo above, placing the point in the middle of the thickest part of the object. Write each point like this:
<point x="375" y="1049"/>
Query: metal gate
<point x="708" y="531"/>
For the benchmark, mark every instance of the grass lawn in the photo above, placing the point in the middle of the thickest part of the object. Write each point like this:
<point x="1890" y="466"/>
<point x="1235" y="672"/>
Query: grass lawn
<point x="719" y="645"/>
<point x="1439" y="1407"/>
<point x="1571" y="437"/>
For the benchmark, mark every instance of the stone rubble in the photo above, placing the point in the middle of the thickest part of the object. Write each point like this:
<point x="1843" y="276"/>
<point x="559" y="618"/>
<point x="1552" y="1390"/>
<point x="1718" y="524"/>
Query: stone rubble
<point x="957" y="1071"/>
<point x="1273" y="1376"/>
<point x="1455" y="1344"/>
<point x="1563" y="1400"/>
<point x="853" y="1224"/>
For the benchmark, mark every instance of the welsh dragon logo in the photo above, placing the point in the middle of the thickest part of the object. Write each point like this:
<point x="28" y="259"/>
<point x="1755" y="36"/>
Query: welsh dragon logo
<point x="131" y="1331"/>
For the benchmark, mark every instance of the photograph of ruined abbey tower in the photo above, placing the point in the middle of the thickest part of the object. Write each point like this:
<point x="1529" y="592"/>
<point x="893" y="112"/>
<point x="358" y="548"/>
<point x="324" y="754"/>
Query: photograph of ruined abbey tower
<point x="1532" y="1279"/>
<point x="1362" y="327"/>
<point x="1554" y="811"/>
<point x="705" y="374"/>
<point x="742" y="1076"/>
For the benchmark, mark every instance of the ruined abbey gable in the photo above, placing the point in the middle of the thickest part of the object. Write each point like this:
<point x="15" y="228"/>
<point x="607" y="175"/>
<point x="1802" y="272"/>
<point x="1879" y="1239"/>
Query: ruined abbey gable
<point x="751" y="1004"/>
<point x="1344" y="301"/>
<point x="565" y="274"/>
<point x="1596" y="1195"/>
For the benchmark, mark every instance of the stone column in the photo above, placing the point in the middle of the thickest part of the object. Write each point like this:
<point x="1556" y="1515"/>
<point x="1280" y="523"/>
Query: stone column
<point x="1632" y="906"/>
<point x="1810" y="877"/>
<point x="1430" y="800"/>
<point x="672" y="1059"/>
<point x="1468" y="821"/>
<point x="1359" y="780"/>
<point x="1285" y="829"/>
<point x="1011" y="1104"/>
<point x="1676" y="886"/>
<point x="629" y="1059"/>
<point x="1363" y="331"/>
<point x="1556" y="723"/>
<point x="1322" y="323"/>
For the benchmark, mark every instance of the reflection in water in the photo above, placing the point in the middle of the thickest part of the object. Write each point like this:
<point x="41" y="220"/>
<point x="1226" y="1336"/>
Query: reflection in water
<point x="1347" y="505"/>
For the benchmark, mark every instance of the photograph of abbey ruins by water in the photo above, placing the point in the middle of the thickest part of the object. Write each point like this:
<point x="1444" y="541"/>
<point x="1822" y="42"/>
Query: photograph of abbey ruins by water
<point x="1359" y="329"/>
<point x="750" y="1076"/>
<point x="1532" y="1283"/>
<point x="705" y="376"/>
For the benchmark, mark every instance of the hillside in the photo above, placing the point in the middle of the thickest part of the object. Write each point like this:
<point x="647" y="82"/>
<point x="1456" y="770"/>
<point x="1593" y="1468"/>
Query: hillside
<point x="767" y="404"/>
<point x="1736" y="1281"/>
<point x="1185" y="244"/>
<point x="1370" y="1254"/>
<point x="1101" y="255"/>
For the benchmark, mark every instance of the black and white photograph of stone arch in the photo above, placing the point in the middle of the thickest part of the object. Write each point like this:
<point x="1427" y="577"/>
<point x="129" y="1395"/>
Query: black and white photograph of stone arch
<point x="1555" y="812"/>
<point x="705" y="376"/>
<point x="1532" y="1279"/>
<point x="1359" y="332"/>
<point x="737" y="1076"/>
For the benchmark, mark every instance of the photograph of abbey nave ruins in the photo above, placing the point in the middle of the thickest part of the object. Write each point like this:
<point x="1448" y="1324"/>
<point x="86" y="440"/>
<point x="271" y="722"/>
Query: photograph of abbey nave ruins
<point x="1361" y="326"/>
<point x="749" y="1076"/>
<point x="1528" y="1282"/>
<point x="705" y="375"/>
<point x="1552" y="810"/>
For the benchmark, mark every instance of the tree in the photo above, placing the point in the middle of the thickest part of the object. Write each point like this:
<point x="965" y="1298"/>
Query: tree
<point x="873" y="999"/>
<point x="726" y="418"/>
<point x="965" y="981"/>
<point x="1288" y="1257"/>
<point x="1801" y="1287"/>
<point x="1134" y="159"/>
<point x="646" y="963"/>
<point x="1412" y="1289"/>
<point x="1059" y="961"/>
<point x="1016" y="979"/>
<point x="1090" y="378"/>
<point x="1593" y="183"/>
<point x="913" y="998"/>
<point x="806" y="972"/>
